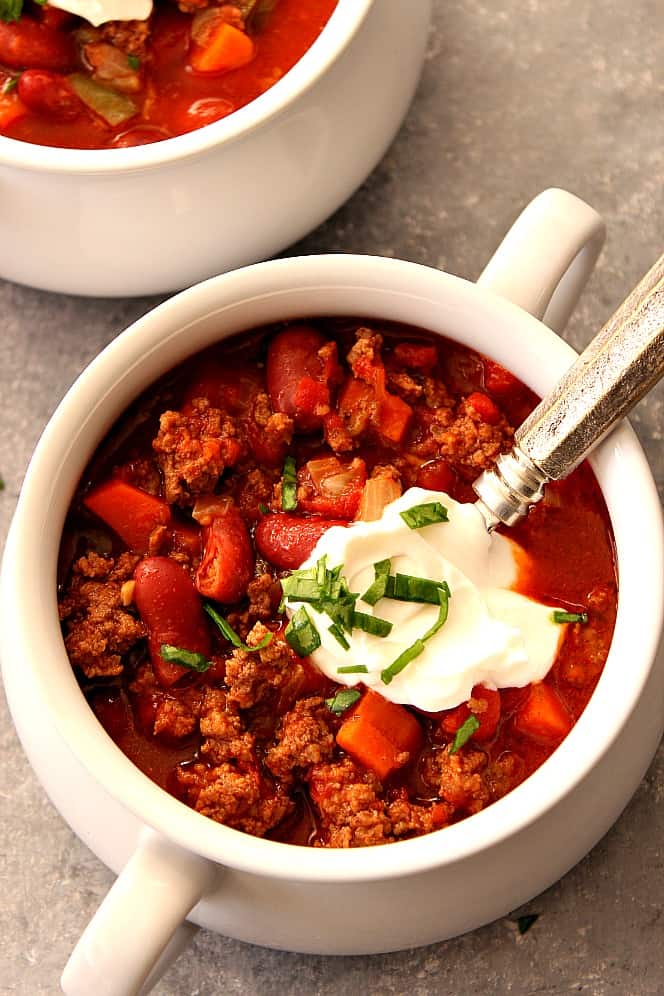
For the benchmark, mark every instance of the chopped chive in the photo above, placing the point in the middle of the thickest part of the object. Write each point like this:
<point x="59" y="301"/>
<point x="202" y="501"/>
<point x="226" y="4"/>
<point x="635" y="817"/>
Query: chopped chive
<point x="187" y="658"/>
<point x="424" y="515"/>
<point x="443" y="612"/>
<point x="263" y="509"/>
<point x="377" y="589"/>
<point x="301" y="589"/>
<point x="289" y="486"/>
<point x="353" y="669"/>
<point x="338" y="636"/>
<point x="558" y="616"/>
<point x="134" y="62"/>
<point x="10" y="84"/>
<point x="229" y="633"/>
<point x="371" y="624"/>
<point x="342" y="700"/>
<point x="410" y="653"/>
<point x="406" y="588"/>
<point x="301" y="634"/>
<point x="402" y="661"/>
<point x="464" y="733"/>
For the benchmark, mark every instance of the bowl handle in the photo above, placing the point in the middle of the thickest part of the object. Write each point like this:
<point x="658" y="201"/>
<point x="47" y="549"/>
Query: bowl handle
<point x="544" y="261"/>
<point x="139" y="919"/>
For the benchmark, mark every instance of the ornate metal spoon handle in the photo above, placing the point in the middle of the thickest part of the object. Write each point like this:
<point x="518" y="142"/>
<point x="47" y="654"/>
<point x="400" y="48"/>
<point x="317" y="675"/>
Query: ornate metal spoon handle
<point x="619" y="366"/>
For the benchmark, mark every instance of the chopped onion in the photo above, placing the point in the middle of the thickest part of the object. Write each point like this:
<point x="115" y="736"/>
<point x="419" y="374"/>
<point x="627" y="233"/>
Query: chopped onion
<point x="332" y="479"/>
<point x="376" y="494"/>
<point x="209" y="507"/>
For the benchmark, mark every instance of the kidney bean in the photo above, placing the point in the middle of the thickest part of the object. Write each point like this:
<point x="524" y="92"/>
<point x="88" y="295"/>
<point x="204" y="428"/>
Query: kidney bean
<point x="287" y="540"/>
<point x="298" y="380"/>
<point x="228" y="559"/>
<point x="171" y="608"/>
<point x="436" y="475"/>
<point x="28" y="43"/>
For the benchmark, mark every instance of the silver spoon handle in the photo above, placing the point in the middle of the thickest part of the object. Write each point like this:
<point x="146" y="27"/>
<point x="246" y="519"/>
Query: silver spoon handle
<point x="620" y="365"/>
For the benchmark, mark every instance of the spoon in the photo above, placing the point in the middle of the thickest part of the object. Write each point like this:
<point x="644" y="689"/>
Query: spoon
<point x="619" y="366"/>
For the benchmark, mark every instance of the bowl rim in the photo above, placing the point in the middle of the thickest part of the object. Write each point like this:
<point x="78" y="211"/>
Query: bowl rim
<point x="336" y="35"/>
<point x="174" y="323"/>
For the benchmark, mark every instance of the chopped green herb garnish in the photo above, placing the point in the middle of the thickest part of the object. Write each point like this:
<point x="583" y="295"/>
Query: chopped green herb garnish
<point x="406" y="588"/>
<point x="558" y="616"/>
<point x="10" y="10"/>
<point x="410" y="653"/>
<point x="301" y="634"/>
<point x="229" y="633"/>
<point x="424" y="515"/>
<point x="187" y="658"/>
<point x="525" y="922"/>
<point x="10" y="83"/>
<point x="464" y="733"/>
<point x="353" y="669"/>
<point x="134" y="62"/>
<point x="342" y="700"/>
<point x="377" y="590"/>
<point x="289" y="486"/>
<point x="443" y="612"/>
<point x="338" y="636"/>
<point x="263" y="509"/>
<point x="402" y="661"/>
<point x="371" y="624"/>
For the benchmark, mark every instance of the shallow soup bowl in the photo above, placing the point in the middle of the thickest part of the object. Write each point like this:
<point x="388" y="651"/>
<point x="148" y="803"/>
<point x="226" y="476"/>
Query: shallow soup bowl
<point x="232" y="192"/>
<point x="179" y="869"/>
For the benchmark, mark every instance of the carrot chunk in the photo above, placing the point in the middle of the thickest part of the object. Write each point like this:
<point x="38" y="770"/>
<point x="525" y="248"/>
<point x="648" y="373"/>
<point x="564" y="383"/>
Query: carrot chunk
<point x="130" y="512"/>
<point x="225" y="48"/>
<point x="380" y="735"/>
<point x="542" y="717"/>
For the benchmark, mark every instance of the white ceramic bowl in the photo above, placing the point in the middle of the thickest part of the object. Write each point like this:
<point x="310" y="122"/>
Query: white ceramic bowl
<point x="358" y="901"/>
<point x="235" y="191"/>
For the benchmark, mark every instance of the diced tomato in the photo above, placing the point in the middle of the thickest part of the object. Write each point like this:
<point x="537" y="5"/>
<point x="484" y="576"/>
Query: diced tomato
<point x="487" y="409"/>
<point x="379" y="734"/>
<point x="338" y="487"/>
<point x="228" y="558"/>
<point x="542" y="717"/>
<point x="393" y="418"/>
<point x="487" y="715"/>
<point x="287" y="540"/>
<point x="130" y="512"/>
<point x="498" y="380"/>
<point x="436" y="475"/>
<point x="11" y="109"/>
<point x="172" y="611"/>
<point x="416" y="356"/>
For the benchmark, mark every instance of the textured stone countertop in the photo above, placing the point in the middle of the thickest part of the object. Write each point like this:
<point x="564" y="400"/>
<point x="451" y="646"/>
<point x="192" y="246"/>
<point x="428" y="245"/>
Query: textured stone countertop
<point x="516" y="96"/>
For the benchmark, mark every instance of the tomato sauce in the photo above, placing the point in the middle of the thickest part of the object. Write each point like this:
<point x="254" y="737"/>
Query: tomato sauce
<point x="349" y="407"/>
<point x="150" y="82"/>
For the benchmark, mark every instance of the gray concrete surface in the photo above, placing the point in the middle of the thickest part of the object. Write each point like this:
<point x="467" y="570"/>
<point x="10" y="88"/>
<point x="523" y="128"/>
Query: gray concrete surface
<point x="516" y="96"/>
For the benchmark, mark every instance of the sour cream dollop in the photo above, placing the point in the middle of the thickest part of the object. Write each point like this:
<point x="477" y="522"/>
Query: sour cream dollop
<point x="99" y="11"/>
<point x="493" y="635"/>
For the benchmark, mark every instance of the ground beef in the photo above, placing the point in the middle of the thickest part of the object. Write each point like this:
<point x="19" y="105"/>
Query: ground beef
<point x="276" y="427"/>
<point x="350" y="812"/>
<point x="365" y="353"/>
<point x="406" y="386"/>
<point x="337" y="434"/>
<point x="129" y="36"/>
<point x="161" y="713"/>
<point x="144" y="474"/>
<point x="461" y="778"/>
<point x="254" y="677"/>
<point x="225" y="736"/>
<point x="240" y="799"/>
<point x="587" y="647"/>
<point x="98" y="629"/>
<point x="304" y="738"/>
<point x="469" y="444"/>
<point x="194" y="449"/>
<point x="409" y="819"/>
